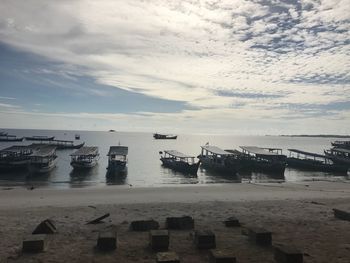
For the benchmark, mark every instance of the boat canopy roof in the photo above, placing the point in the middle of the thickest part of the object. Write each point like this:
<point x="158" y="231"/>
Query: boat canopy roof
<point x="118" y="150"/>
<point x="260" y="151"/>
<point x="215" y="150"/>
<point x="341" y="150"/>
<point x="16" y="149"/>
<point x="44" y="150"/>
<point x="86" y="150"/>
<point x="307" y="153"/>
<point x="178" y="154"/>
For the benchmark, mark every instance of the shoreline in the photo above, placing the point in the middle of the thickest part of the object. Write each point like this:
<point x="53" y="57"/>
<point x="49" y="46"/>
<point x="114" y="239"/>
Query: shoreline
<point x="24" y="198"/>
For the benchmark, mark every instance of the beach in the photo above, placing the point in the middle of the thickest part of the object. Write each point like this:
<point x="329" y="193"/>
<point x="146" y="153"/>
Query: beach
<point x="298" y="214"/>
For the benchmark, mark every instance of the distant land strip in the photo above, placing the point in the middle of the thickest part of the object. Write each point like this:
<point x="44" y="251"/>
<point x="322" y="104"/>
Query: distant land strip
<point x="316" y="135"/>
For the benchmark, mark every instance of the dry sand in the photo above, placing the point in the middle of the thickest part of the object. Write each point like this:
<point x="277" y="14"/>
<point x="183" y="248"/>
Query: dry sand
<point x="298" y="214"/>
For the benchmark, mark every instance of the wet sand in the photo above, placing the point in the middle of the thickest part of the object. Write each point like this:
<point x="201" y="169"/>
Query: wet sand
<point x="298" y="214"/>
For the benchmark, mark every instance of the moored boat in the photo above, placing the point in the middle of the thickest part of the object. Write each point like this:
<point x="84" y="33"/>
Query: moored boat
<point x="10" y="138"/>
<point x="179" y="162"/>
<point x="270" y="160"/>
<point x="77" y="136"/>
<point x="40" y="138"/>
<point x="62" y="144"/>
<point x="15" y="158"/>
<point x="43" y="159"/>
<point x="117" y="159"/>
<point x="85" y="157"/>
<point x="159" y="136"/>
<point x="216" y="159"/>
<point x="341" y="144"/>
<point x="339" y="156"/>
<point x="313" y="161"/>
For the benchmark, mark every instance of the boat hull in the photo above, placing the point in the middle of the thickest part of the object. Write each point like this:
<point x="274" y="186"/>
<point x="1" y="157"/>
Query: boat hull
<point x="315" y="165"/>
<point x="220" y="165"/>
<point x="14" y="165"/>
<point x="339" y="160"/>
<point x="116" y="167"/>
<point x="11" y="139"/>
<point x="46" y="167"/>
<point x="180" y="166"/>
<point x="39" y="139"/>
<point x="83" y="165"/>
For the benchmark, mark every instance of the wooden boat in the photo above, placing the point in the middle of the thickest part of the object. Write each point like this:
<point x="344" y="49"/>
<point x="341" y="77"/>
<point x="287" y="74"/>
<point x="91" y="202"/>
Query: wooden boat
<point x="43" y="159"/>
<point x="10" y="138"/>
<point x="85" y="157"/>
<point x="159" y="136"/>
<point x="117" y="159"/>
<point x="15" y="158"/>
<point x="62" y="144"/>
<point x="3" y="133"/>
<point x="179" y="162"/>
<point x="313" y="161"/>
<point x="263" y="159"/>
<point x="341" y="144"/>
<point x="40" y="138"/>
<point x="216" y="159"/>
<point x="339" y="156"/>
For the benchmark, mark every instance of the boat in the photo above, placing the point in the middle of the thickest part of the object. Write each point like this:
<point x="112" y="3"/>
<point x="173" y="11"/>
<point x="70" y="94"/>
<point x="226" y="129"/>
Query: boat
<point x="263" y="159"/>
<point x="179" y="162"/>
<point x="216" y="159"/>
<point x="341" y="144"/>
<point x="43" y="159"/>
<point x="85" y="157"/>
<point x="313" y="161"/>
<point x="40" y="138"/>
<point x="159" y="136"/>
<point x="111" y="131"/>
<point x="3" y="133"/>
<point x="339" y="156"/>
<point x="10" y="138"/>
<point x="62" y="144"/>
<point x="15" y="157"/>
<point x="77" y="136"/>
<point x="117" y="159"/>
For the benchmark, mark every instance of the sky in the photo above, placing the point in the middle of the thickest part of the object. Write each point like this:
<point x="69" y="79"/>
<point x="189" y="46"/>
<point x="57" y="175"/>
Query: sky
<point x="211" y="67"/>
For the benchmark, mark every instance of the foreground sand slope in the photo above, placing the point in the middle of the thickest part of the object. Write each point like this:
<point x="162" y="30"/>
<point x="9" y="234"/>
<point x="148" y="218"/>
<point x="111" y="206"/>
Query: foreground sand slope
<point x="296" y="214"/>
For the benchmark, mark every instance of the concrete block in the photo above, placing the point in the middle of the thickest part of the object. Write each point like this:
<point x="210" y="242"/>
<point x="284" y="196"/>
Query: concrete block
<point x="107" y="240"/>
<point x="180" y="223"/>
<point x="204" y="239"/>
<point x="287" y="254"/>
<point x="260" y="236"/>
<point x="144" y="225"/>
<point x="167" y="257"/>
<point x="221" y="256"/>
<point x="159" y="240"/>
<point x="34" y="243"/>
<point x="232" y="222"/>
<point x="340" y="214"/>
<point x="45" y="227"/>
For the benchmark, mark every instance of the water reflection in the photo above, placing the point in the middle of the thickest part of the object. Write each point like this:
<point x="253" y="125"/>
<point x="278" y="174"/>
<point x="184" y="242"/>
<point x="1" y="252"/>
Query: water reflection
<point x="174" y="177"/>
<point x="117" y="177"/>
<point x="211" y="176"/>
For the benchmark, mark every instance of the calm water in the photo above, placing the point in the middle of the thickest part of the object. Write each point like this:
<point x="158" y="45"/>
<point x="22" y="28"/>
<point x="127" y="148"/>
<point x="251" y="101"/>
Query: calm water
<point x="144" y="167"/>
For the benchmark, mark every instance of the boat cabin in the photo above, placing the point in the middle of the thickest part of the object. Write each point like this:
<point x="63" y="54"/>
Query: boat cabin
<point x="117" y="158"/>
<point x="178" y="156"/>
<point x="86" y="156"/>
<point x="271" y="154"/>
<point x="15" y="157"/>
<point x="43" y="158"/>
<point x="298" y="154"/>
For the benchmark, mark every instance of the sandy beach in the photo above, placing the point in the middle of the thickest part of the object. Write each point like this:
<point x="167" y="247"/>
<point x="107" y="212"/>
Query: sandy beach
<point x="298" y="214"/>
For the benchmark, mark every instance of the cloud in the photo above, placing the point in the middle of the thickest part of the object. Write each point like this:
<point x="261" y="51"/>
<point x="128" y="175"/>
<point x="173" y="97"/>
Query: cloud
<point x="210" y="55"/>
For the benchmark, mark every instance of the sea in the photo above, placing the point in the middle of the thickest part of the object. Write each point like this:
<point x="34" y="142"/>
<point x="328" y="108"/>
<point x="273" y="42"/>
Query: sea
<point x="144" y="165"/>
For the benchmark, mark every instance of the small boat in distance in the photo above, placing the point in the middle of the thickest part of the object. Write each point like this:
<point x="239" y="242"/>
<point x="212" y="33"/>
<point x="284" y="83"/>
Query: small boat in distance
<point x="264" y="159"/>
<point x="40" y="138"/>
<point x="179" y="162"/>
<point x="111" y="131"/>
<point x="313" y="161"/>
<point x="10" y="138"/>
<point x="117" y="159"/>
<point x="341" y="144"/>
<point x="85" y="157"/>
<point x="43" y="159"/>
<point x="15" y="157"/>
<point x="339" y="156"/>
<point x="159" y="136"/>
<point x="77" y="136"/>
<point x="216" y="159"/>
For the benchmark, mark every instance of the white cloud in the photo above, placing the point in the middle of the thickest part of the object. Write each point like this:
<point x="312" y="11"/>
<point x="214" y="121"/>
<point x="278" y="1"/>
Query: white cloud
<point x="187" y="50"/>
